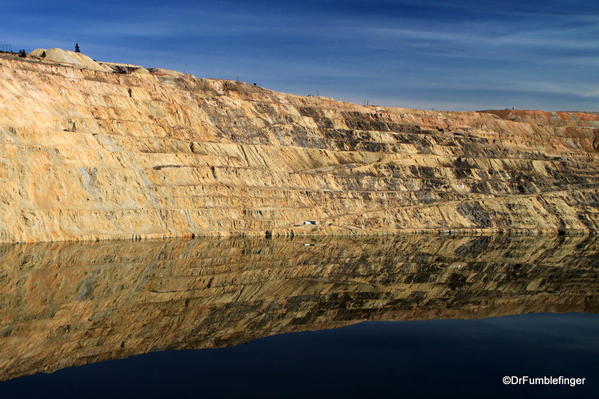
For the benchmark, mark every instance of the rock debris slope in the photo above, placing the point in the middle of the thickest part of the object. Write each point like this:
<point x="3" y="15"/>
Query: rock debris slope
<point x="137" y="153"/>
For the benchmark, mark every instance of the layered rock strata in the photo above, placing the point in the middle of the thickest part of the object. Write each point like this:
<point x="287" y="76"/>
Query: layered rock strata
<point x="65" y="304"/>
<point x="90" y="154"/>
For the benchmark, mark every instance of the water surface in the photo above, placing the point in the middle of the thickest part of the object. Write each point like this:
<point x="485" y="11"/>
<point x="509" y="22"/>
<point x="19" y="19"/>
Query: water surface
<point x="406" y="315"/>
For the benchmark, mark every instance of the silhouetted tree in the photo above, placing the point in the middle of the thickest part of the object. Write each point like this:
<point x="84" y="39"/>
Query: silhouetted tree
<point x="43" y="54"/>
<point x="77" y="49"/>
<point x="22" y="53"/>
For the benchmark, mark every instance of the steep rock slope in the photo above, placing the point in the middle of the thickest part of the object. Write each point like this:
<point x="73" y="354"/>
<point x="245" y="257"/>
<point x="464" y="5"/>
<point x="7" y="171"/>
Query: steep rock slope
<point x="86" y="154"/>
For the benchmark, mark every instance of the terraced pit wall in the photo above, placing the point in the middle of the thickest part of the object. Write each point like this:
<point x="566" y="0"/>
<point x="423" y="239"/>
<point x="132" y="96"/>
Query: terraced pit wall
<point x="87" y="154"/>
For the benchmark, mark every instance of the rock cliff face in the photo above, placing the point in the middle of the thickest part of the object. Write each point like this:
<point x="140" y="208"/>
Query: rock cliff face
<point x="64" y="304"/>
<point x="88" y="154"/>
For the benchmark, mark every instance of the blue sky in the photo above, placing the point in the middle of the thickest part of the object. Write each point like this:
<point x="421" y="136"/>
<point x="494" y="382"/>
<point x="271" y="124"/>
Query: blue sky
<point x="455" y="55"/>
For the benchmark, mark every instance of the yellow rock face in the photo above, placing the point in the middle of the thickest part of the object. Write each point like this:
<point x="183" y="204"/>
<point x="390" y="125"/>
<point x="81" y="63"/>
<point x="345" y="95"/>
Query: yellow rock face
<point x="88" y="154"/>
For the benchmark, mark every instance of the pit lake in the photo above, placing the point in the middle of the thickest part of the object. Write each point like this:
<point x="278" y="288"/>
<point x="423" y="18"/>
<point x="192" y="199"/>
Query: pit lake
<point x="396" y="316"/>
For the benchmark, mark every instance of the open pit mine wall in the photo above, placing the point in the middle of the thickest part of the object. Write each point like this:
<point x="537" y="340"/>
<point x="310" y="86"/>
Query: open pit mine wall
<point x="88" y="154"/>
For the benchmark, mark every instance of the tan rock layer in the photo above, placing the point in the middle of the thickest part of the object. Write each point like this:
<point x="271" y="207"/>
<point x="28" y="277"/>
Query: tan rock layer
<point x="86" y="154"/>
<point x="64" y="304"/>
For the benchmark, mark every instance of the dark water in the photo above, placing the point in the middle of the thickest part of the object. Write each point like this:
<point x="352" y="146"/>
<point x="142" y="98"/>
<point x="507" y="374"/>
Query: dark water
<point x="416" y="359"/>
<point x="408" y="316"/>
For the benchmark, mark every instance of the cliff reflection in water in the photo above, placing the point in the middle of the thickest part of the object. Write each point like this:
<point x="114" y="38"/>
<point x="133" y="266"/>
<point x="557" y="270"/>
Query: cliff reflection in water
<point x="65" y="304"/>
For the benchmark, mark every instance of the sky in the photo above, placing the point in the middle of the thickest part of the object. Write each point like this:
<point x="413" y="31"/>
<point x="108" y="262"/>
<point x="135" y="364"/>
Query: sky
<point x="443" y="55"/>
